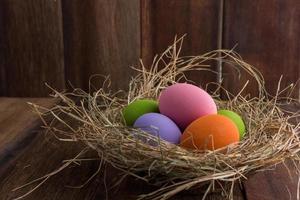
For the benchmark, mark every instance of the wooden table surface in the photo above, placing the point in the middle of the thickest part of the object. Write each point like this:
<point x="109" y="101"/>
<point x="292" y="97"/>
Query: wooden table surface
<point x="27" y="153"/>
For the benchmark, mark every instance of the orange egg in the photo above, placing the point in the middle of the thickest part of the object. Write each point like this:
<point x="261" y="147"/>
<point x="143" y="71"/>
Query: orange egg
<point x="210" y="132"/>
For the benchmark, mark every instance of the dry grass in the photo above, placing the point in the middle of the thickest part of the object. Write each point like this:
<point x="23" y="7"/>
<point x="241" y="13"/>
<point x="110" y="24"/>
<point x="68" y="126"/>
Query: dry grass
<point x="270" y="137"/>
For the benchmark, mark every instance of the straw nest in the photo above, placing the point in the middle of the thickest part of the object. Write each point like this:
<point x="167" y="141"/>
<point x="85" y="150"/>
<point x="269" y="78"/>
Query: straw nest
<point x="270" y="137"/>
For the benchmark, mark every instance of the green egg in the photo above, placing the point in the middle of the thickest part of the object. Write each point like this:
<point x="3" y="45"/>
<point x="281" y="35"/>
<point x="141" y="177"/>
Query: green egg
<point x="236" y="119"/>
<point x="137" y="108"/>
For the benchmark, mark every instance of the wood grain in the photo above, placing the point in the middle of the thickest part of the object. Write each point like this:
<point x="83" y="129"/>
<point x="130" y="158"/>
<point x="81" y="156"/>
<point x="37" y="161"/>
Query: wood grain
<point x="280" y="182"/>
<point x="32" y="47"/>
<point x="101" y="37"/>
<point x="266" y="33"/>
<point x="18" y="125"/>
<point x="2" y="50"/>
<point x="163" y="20"/>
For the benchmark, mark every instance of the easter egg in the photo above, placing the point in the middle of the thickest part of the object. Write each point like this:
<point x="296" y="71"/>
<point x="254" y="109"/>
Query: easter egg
<point x="184" y="103"/>
<point x="159" y="125"/>
<point x="210" y="132"/>
<point x="236" y="119"/>
<point x="137" y="108"/>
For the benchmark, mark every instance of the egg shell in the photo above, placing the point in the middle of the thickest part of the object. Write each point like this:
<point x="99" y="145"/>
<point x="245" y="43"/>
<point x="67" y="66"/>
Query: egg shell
<point x="237" y="119"/>
<point x="159" y="125"/>
<point x="210" y="132"/>
<point x="184" y="103"/>
<point x="137" y="108"/>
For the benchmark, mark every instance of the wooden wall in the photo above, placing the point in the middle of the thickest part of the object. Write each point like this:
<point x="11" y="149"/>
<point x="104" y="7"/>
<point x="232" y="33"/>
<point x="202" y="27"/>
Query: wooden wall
<point x="62" y="41"/>
<point x="100" y="37"/>
<point x="31" y="47"/>
<point x="266" y="33"/>
<point x="162" y="20"/>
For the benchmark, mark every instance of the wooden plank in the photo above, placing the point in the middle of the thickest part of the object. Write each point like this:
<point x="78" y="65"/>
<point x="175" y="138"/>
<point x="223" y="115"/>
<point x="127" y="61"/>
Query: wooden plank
<point x="18" y="125"/>
<point x="266" y="33"/>
<point x="17" y="117"/>
<point x="2" y="50"/>
<point x="281" y="182"/>
<point x="162" y="20"/>
<point x="101" y="37"/>
<point x="42" y="157"/>
<point x="32" y="47"/>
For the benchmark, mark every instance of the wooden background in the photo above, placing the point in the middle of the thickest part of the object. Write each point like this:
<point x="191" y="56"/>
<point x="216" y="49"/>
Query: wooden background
<point x="62" y="41"/>
<point x="67" y="41"/>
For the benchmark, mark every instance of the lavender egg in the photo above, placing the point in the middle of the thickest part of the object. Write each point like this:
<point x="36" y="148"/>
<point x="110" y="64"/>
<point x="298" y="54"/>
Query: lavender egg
<point x="159" y="125"/>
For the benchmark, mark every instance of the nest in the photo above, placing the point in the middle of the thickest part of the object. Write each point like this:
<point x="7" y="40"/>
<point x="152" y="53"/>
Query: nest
<point x="270" y="138"/>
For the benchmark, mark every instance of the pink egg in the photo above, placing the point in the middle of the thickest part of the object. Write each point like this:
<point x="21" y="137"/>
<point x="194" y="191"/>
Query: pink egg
<point x="184" y="103"/>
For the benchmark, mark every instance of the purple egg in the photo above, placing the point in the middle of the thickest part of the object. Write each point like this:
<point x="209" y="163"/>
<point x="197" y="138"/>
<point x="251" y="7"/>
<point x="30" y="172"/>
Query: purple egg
<point x="159" y="125"/>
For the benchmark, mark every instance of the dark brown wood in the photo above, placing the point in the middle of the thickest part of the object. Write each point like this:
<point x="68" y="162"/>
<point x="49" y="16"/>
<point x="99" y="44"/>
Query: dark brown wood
<point x="101" y="37"/>
<point x="163" y="20"/>
<point x="106" y="37"/>
<point x="2" y="50"/>
<point x="17" y="117"/>
<point x="31" y="47"/>
<point x="280" y="182"/>
<point x="266" y="33"/>
<point x="147" y="32"/>
<point x="18" y="125"/>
